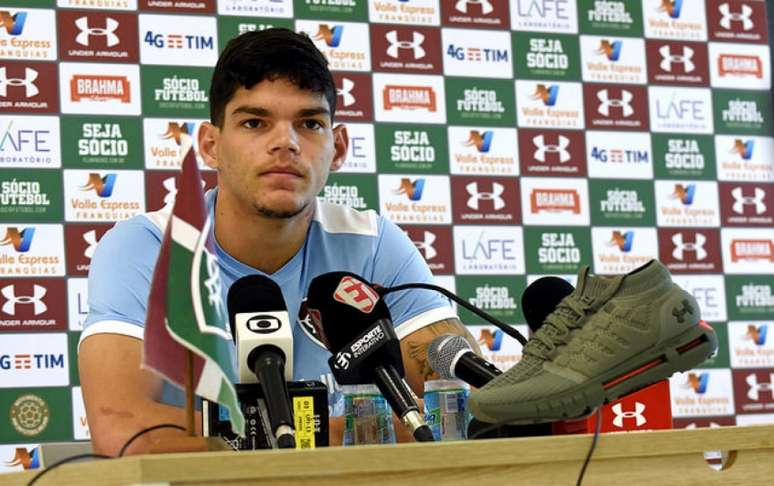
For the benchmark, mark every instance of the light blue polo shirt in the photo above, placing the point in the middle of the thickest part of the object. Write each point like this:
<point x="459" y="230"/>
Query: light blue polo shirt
<point x="339" y="239"/>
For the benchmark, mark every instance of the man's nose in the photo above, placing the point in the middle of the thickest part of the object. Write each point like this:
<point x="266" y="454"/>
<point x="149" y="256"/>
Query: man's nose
<point x="284" y="137"/>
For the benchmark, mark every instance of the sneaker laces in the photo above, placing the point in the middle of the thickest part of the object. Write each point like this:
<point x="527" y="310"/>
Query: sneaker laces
<point x="567" y="316"/>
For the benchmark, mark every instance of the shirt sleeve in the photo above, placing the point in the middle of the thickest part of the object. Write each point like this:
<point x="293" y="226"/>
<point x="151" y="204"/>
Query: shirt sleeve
<point x="397" y="261"/>
<point x="119" y="279"/>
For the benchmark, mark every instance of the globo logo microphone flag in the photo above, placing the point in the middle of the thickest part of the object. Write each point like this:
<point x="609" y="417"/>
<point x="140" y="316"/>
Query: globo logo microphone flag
<point x="185" y="307"/>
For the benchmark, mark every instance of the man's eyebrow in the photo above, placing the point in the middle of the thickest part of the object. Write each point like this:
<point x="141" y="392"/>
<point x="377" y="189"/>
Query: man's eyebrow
<point x="302" y="113"/>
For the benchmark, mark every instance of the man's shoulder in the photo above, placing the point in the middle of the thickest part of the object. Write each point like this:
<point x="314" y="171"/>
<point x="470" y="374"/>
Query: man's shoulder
<point x="339" y="219"/>
<point x="142" y="229"/>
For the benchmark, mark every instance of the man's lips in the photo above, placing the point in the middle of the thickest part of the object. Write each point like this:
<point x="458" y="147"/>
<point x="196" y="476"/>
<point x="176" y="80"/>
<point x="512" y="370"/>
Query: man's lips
<point x="282" y="172"/>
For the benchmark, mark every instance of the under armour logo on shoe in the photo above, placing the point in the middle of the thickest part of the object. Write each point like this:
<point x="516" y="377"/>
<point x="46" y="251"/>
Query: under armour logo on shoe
<point x="740" y="200"/>
<point x="30" y="88"/>
<point x="462" y="6"/>
<point x="346" y="91"/>
<point x="395" y="44"/>
<point x="667" y="59"/>
<point x="36" y="299"/>
<point x="111" y="25"/>
<point x="682" y="246"/>
<point x="494" y="195"/>
<point x="542" y="148"/>
<point x="744" y="16"/>
<point x="755" y="388"/>
<point x="687" y="308"/>
<point x="636" y="414"/>
<point x="624" y="103"/>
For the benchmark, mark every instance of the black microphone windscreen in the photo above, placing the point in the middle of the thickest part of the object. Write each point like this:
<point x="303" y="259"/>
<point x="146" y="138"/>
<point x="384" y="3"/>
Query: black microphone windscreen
<point x="342" y="305"/>
<point x="442" y="351"/>
<point x="541" y="297"/>
<point x="254" y="293"/>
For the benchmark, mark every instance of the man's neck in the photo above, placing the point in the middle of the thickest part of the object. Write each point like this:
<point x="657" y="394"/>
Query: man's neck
<point x="263" y="243"/>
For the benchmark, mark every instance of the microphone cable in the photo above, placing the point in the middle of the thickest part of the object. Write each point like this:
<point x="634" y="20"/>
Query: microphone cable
<point x="103" y="456"/>
<point x="507" y="329"/>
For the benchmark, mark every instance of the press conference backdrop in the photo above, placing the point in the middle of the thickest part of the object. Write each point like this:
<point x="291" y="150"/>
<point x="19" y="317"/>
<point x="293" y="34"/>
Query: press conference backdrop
<point x="510" y="139"/>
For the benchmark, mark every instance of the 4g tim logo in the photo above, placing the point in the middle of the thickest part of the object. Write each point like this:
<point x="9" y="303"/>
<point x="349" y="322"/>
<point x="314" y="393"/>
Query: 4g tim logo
<point x="477" y="54"/>
<point x="179" y="41"/>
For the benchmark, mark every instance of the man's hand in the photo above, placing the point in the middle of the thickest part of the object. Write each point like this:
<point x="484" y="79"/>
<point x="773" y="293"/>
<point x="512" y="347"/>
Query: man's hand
<point x="120" y="398"/>
<point x="414" y="351"/>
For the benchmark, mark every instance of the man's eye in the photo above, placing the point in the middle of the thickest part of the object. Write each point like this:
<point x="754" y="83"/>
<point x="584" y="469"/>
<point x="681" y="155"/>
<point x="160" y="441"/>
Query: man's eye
<point x="312" y="124"/>
<point x="252" y="123"/>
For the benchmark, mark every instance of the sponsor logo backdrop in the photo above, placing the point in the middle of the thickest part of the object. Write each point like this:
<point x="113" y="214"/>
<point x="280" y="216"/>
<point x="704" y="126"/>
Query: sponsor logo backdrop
<point x="509" y="138"/>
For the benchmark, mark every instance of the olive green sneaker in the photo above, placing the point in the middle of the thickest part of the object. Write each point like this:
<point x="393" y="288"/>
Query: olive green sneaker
<point x="637" y="329"/>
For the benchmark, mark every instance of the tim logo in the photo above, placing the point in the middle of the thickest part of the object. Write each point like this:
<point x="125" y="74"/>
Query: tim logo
<point x="493" y="340"/>
<point x="622" y="240"/>
<point x="177" y="132"/>
<point x="636" y="414"/>
<point x="757" y="334"/>
<point x="743" y="148"/>
<point x="547" y="95"/>
<point x="611" y="50"/>
<point x="331" y="35"/>
<point x="14" y="24"/>
<point x="671" y="7"/>
<point x="697" y="383"/>
<point x="413" y="190"/>
<point x="482" y="141"/>
<point x="27" y="459"/>
<point x="21" y="241"/>
<point x="684" y="194"/>
<point x="357" y="294"/>
<point x="103" y="186"/>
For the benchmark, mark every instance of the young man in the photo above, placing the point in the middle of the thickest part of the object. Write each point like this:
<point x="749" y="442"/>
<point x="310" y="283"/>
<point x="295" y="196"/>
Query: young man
<point x="272" y="141"/>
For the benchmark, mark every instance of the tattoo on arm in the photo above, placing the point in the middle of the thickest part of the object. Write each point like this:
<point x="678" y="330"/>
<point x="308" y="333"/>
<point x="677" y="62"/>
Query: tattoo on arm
<point x="417" y="343"/>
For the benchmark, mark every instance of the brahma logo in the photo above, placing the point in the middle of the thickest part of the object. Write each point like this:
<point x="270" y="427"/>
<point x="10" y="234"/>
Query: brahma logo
<point x="21" y="241"/>
<point x="611" y="50"/>
<point x="100" y="88"/>
<point x="357" y="294"/>
<point x="330" y="35"/>
<point x="412" y="189"/>
<point x="743" y="148"/>
<point x="752" y="250"/>
<point x="493" y="340"/>
<point x="409" y="98"/>
<point x="103" y="186"/>
<point x="26" y="458"/>
<point x="698" y="383"/>
<point x="13" y="23"/>
<point x="547" y="94"/>
<point x="482" y="141"/>
<point x="555" y="201"/>
<point x="684" y="193"/>
<point x="740" y="65"/>
<point x="623" y="240"/>
<point x="757" y="334"/>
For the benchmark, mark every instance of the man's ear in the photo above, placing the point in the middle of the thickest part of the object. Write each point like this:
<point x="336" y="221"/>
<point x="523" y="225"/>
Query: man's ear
<point x="208" y="141"/>
<point x="340" y="145"/>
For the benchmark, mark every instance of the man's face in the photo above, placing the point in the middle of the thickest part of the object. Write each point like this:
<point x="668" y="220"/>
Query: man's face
<point x="276" y="148"/>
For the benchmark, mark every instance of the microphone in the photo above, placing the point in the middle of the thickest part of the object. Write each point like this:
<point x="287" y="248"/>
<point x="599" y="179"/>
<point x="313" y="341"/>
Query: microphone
<point x="355" y="325"/>
<point x="452" y="357"/>
<point x="264" y="340"/>
<point x="540" y="299"/>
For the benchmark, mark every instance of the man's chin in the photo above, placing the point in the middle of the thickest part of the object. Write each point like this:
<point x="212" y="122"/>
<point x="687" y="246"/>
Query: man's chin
<point x="280" y="212"/>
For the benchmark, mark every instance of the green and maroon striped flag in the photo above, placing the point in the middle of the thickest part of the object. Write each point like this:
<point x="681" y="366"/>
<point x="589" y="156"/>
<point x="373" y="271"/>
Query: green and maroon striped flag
<point x="186" y="310"/>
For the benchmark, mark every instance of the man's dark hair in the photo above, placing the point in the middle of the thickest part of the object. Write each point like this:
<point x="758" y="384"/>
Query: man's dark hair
<point x="269" y="54"/>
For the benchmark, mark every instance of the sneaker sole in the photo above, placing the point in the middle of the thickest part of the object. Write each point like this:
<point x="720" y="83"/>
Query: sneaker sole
<point x="682" y="353"/>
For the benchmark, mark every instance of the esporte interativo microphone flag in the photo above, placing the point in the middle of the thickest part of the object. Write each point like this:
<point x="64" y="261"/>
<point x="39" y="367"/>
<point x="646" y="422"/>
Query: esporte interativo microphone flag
<point x="185" y="306"/>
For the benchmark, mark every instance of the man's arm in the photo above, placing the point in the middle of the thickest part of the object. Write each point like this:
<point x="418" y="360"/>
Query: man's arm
<point x="120" y="397"/>
<point x="414" y="351"/>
